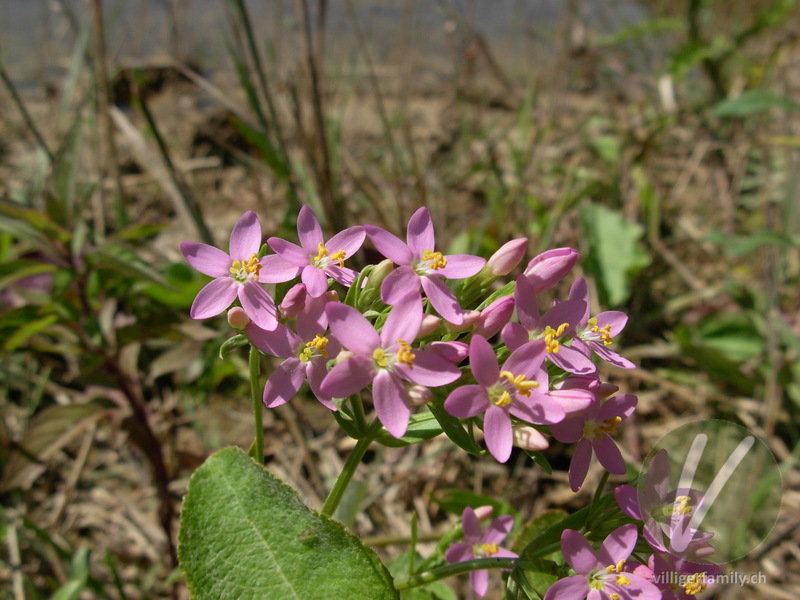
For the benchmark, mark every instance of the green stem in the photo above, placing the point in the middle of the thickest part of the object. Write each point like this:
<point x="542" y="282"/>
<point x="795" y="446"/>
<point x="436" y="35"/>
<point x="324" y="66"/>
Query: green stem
<point x="454" y="569"/>
<point x="349" y="470"/>
<point x="258" y="405"/>
<point x="596" y="500"/>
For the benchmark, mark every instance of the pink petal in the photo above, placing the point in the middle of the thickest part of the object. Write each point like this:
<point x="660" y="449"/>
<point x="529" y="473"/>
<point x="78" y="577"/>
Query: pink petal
<point x="258" y="305"/>
<point x="352" y="329"/>
<point x="568" y="431"/>
<point x="459" y="552"/>
<point x="316" y="372"/>
<point x="284" y="383"/>
<point x="497" y="431"/>
<point x="483" y="362"/>
<point x="610" y="356"/>
<point x="276" y="269"/>
<point x="453" y="352"/>
<point x="615" y="318"/>
<point x="215" y="297"/>
<point x="391" y="403"/>
<point x="291" y="253"/>
<point x="348" y="377"/>
<point x="467" y="401"/>
<point x="539" y="410"/>
<point x="572" y="361"/>
<point x="578" y="552"/>
<point x="308" y="230"/>
<point x="398" y="284"/>
<point x="621" y="405"/>
<point x="460" y="266"/>
<point x="579" y="291"/>
<point x="618" y="545"/>
<point x="442" y="299"/>
<point x="550" y="267"/>
<point x="657" y="478"/>
<point x="514" y="335"/>
<point x="207" y="259"/>
<point x="639" y="589"/>
<point x="569" y="311"/>
<point x="480" y="581"/>
<point x="389" y="245"/>
<point x="498" y="529"/>
<point x="525" y="299"/>
<point x="349" y="240"/>
<point x="526" y="359"/>
<point x="572" y="401"/>
<point x="315" y="280"/>
<point x="429" y="369"/>
<point x="471" y="526"/>
<point x="627" y="498"/>
<point x="403" y="322"/>
<point x="245" y="237"/>
<point x="420" y="232"/>
<point x="503" y="553"/>
<point x="569" y="588"/>
<point x="579" y="465"/>
<point x="344" y="275"/>
<point x="609" y="455"/>
<point x="281" y="341"/>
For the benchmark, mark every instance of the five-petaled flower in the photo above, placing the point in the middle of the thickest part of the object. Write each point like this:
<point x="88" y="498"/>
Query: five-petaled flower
<point x="601" y="575"/>
<point x="480" y="544"/>
<point x="420" y="265"/>
<point x="238" y="274"/>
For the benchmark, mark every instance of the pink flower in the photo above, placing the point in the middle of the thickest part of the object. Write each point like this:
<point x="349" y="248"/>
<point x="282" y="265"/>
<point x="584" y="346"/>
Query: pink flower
<point x="306" y="353"/>
<point x="480" y="545"/>
<point x="558" y="321"/>
<point x="419" y="265"/>
<point x="592" y="428"/>
<point x="385" y="360"/>
<point x="516" y="390"/>
<point x="550" y="267"/>
<point x="679" y="579"/>
<point x="601" y="575"/>
<point x="507" y="257"/>
<point x="596" y="334"/>
<point x="494" y="316"/>
<point x="238" y="274"/>
<point x="317" y="260"/>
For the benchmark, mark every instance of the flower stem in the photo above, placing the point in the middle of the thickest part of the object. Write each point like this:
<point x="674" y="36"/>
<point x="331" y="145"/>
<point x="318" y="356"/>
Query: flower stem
<point x="258" y="405"/>
<point x="454" y="569"/>
<point x="349" y="470"/>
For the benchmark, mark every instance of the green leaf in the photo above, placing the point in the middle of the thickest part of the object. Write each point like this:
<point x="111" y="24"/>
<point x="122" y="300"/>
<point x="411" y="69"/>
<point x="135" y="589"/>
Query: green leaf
<point x="78" y="579"/>
<point x="245" y="535"/>
<point x="123" y="259"/>
<point x="452" y="428"/>
<point x="752" y="102"/>
<point x="614" y="253"/>
<point x="232" y="344"/>
<point x="27" y="331"/>
<point x="537" y="526"/>
<point x="421" y="426"/>
<point x="61" y="204"/>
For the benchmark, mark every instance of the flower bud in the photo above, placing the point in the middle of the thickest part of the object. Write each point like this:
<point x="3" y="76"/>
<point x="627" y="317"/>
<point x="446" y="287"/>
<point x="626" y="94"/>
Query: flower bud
<point x="507" y="257"/>
<point x="550" y="267"/>
<point x="484" y="512"/>
<point x="453" y="352"/>
<point x="378" y="274"/>
<point x="343" y="355"/>
<point x="495" y="316"/>
<point x="237" y="318"/>
<point x="419" y="395"/>
<point x="430" y="323"/>
<point x="294" y="301"/>
<point x="470" y="320"/>
<point x="529" y="438"/>
<point x="331" y="296"/>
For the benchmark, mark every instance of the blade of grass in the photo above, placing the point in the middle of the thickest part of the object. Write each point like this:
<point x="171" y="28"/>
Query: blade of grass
<point x="23" y="111"/>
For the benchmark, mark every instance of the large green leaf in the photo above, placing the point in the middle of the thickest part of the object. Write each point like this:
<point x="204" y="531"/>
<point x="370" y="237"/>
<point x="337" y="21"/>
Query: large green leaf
<point x="753" y="102"/>
<point x="245" y="535"/>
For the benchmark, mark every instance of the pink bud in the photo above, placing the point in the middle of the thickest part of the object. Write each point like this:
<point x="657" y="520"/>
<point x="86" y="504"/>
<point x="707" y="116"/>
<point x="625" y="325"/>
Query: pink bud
<point x="294" y="301"/>
<point x="237" y="318"/>
<point x="606" y="390"/>
<point x="430" y="323"/>
<point x="419" y="395"/>
<point x="495" y="316"/>
<point x="548" y="268"/>
<point x="331" y="296"/>
<point x="470" y="319"/>
<point x="529" y="438"/>
<point x="507" y="257"/>
<point x="454" y="352"/>
<point x="484" y="512"/>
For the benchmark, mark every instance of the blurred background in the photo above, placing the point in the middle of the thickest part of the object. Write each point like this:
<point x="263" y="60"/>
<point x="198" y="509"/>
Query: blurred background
<point x="660" y="138"/>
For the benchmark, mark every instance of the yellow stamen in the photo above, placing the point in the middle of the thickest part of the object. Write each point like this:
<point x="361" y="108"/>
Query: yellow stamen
<point x="488" y="550"/>
<point x="438" y="261"/>
<point x="380" y="358"/>
<point x="523" y="386"/>
<point x="404" y="354"/>
<point x="338" y="256"/>
<point x="318" y="343"/>
<point x="695" y="584"/>
<point x="604" y="332"/>
<point x="679" y="507"/>
<point x="322" y="252"/>
<point x="247" y="269"/>
<point x="622" y="580"/>
<point x="503" y="400"/>
<point x="550" y="335"/>
<point x="614" y="596"/>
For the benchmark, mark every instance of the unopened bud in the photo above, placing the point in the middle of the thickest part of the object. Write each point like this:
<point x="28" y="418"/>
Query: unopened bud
<point x="430" y="323"/>
<point x="331" y="296"/>
<point x="484" y="512"/>
<point x="343" y="355"/>
<point x="507" y="257"/>
<point x="529" y="438"/>
<point x="606" y="390"/>
<point x="453" y="352"/>
<point x="419" y="395"/>
<point x="237" y="318"/>
<point x="378" y="274"/>
<point x="470" y="320"/>
<point x="294" y="301"/>
<point x="495" y="316"/>
<point x="550" y="267"/>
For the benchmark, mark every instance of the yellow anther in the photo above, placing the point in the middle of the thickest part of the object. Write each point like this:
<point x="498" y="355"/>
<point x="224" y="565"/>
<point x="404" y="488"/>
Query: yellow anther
<point x="622" y="580"/>
<point x="322" y="252"/>
<point x="503" y="400"/>
<point x="614" y="596"/>
<point x="380" y="358"/>
<point x="247" y="269"/>
<point x="235" y="266"/>
<point x="488" y="550"/>
<point x="404" y="354"/>
<point x="437" y="260"/>
<point x="604" y="332"/>
<point x="523" y="386"/>
<point x="339" y="256"/>
<point x="695" y="584"/>
<point x="607" y="427"/>
<point x="318" y="343"/>
<point x="551" y="343"/>
<point x="680" y="507"/>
